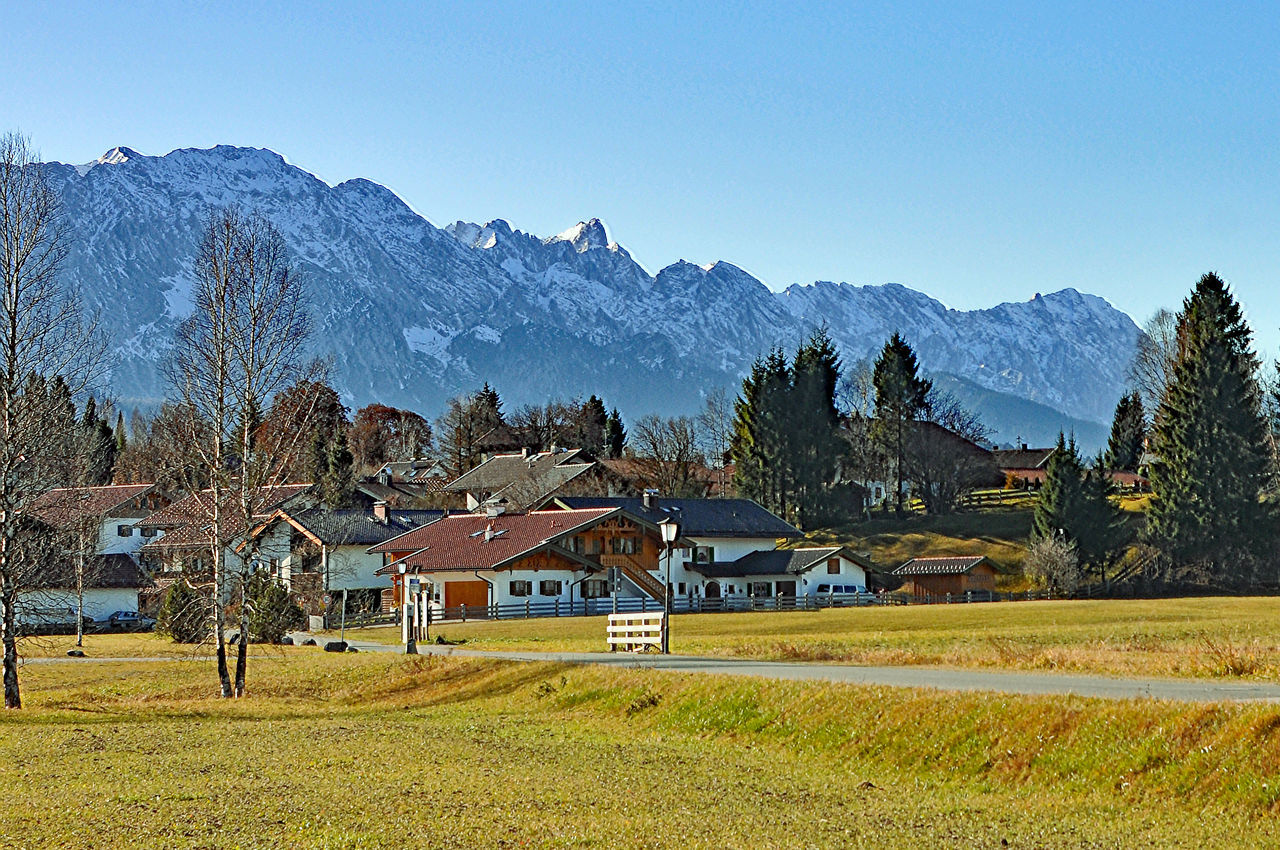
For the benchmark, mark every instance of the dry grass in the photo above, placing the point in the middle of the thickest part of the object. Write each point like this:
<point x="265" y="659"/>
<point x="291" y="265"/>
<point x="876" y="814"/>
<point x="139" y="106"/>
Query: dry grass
<point x="1199" y="637"/>
<point x="386" y="751"/>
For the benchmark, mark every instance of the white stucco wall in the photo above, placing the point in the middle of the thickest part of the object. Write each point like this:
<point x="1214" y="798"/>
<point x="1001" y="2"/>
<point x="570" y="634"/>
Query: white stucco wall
<point x="46" y="606"/>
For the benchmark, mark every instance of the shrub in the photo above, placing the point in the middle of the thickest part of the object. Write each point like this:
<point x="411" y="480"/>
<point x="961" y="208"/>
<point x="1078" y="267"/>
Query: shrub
<point x="184" y="614"/>
<point x="271" y="611"/>
<point x="1053" y="562"/>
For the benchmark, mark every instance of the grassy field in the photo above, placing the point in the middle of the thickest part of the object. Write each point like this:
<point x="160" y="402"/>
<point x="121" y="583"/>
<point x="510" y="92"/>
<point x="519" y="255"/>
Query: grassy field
<point x="124" y="645"/>
<point x="1197" y="637"/>
<point x="371" y="751"/>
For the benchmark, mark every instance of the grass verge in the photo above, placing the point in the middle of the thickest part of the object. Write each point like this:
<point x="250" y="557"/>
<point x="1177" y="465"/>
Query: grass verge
<point x="376" y="751"/>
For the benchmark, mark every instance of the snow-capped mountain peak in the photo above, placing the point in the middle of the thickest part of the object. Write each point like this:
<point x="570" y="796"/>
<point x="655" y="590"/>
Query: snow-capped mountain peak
<point x="413" y="314"/>
<point x="585" y="235"/>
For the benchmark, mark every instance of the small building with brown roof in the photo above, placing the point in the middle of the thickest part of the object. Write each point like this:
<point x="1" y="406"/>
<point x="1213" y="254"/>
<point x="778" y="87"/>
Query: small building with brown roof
<point x="951" y="574"/>
<point x="101" y="543"/>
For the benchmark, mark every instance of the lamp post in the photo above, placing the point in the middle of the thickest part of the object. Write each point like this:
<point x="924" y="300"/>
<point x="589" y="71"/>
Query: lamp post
<point x="670" y="534"/>
<point x="410" y="641"/>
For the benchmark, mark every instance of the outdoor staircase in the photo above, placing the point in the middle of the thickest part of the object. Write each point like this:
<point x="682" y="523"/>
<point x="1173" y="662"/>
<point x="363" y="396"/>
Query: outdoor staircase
<point x="635" y="573"/>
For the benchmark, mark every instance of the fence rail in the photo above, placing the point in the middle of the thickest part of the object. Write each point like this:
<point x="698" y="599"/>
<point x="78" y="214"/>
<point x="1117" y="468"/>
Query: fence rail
<point x="697" y="605"/>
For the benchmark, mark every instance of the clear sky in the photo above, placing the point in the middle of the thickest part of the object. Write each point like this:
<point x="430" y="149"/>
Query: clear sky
<point x="978" y="152"/>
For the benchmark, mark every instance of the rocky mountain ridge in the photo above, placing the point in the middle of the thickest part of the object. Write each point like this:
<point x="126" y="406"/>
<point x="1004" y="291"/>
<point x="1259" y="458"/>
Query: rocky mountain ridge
<point x="412" y="313"/>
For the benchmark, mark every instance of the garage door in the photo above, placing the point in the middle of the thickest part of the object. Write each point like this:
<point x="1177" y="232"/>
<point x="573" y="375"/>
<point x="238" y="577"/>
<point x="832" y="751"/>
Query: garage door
<point x="473" y="594"/>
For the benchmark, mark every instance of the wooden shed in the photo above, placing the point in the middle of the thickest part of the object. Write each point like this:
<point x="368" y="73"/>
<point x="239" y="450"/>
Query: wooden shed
<point x="951" y="574"/>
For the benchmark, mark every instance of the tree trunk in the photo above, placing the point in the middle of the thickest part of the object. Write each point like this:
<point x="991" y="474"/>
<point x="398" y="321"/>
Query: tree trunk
<point x="12" y="696"/>
<point x="242" y="648"/>
<point x="220" y="621"/>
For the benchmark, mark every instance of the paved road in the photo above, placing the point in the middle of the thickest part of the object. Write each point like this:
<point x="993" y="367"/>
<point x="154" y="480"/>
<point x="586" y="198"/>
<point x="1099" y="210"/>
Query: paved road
<point x="1181" y="690"/>
<point x="1035" y="684"/>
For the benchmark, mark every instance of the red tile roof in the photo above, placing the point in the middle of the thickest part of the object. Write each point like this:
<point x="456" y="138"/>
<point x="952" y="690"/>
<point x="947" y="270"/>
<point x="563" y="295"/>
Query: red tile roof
<point x="65" y="505"/>
<point x="480" y="542"/>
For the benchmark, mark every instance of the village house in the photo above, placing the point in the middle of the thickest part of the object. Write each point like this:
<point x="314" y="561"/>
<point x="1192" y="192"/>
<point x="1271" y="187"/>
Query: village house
<point x="96" y="524"/>
<point x="179" y="547"/>
<point x="316" y="551"/>
<point x="955" y="575"/>
<point x="732" y="545"/>
<point x="525" y="478"/>
<point x="545" y="557"/>
<point x="403" y="484"/>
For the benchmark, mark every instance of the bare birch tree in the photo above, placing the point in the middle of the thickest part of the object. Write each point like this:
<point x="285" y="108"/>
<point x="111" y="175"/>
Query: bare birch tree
<point x="242" y="345"/>
<point x="1152" y="363"/>
<point x="43" y="335"/>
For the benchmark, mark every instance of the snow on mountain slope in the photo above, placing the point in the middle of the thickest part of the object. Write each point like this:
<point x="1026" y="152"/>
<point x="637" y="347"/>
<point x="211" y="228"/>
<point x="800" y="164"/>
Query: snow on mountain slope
<point x="413" y="313"/>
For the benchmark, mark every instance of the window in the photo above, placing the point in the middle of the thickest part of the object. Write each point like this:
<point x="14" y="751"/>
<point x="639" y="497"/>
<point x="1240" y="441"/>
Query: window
<point x="124" y="530"/>
<point x="833" y="566"/>
<point x="521" y="588"/>
<point x="680" y="588"/>
<point x="275" y="566"/>
<point x="760" y="588"/>
<point x="704" y="554"/>
<point x="626" y="545"/>
<point x="575" y="545"/>
<point x="594" y="546"/>
<point x="549" y="587"/>
<point x="595" y="588"/>
<point x="148" y="532"/>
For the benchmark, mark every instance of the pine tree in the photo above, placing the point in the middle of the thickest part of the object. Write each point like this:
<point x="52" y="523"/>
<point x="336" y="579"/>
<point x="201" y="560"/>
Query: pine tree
<point x="1128" y="433"/>
<point x="901" y="396"/>
<point x="760" y="434"/>
<point x="337" y="478"/>
<point x="1209" y="441"/>
<point x="815" y="447"/>
<point x="1057" y="507"/>
<point x="615" y="435"/>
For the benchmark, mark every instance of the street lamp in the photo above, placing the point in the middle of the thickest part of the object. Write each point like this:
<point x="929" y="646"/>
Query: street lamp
<point x="410" y="618"/>
<point x="670" y="534"/>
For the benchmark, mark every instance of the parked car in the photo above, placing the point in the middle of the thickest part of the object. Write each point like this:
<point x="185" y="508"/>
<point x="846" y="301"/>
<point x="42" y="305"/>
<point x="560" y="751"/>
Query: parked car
<point x="129" y="621"/>
<point x="848" y="594"/>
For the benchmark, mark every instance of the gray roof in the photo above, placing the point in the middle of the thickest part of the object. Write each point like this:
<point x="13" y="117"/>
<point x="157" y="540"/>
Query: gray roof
<point x="941" y="566"/>
<point x="539" y="474"/>
<point x="769" y="563"/>
<point x="698" y="517"/>
<point x="117" y="570"/>
<point x="360" y="528"/>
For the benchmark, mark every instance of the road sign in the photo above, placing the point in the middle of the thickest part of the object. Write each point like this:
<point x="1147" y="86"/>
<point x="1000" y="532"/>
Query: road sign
<point x="327" y="599"/>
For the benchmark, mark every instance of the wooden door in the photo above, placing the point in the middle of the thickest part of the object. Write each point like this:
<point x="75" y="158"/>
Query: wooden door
<point x="473" y="594"/>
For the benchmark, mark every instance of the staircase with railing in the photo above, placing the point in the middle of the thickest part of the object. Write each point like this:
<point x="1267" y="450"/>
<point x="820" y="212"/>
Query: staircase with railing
<point x="635" y="573"/>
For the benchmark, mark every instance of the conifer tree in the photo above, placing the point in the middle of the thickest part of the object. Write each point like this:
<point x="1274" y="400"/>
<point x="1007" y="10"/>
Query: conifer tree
<point x="901" y="396"/>
<point x="615" y="435"/>
<point x="760" y="436"/>
<point x="1209" y="441"/>
<point x="1128" y="433"/>
<point x="1075" y="506"/>
<point x="815" y="447"/>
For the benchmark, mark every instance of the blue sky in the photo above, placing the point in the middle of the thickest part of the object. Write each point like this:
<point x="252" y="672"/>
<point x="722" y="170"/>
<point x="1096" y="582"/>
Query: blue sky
<point x="978" y="152"/>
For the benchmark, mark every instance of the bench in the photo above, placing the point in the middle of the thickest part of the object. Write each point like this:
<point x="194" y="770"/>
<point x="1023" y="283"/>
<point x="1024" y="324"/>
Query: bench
<point x="635" y="632"/>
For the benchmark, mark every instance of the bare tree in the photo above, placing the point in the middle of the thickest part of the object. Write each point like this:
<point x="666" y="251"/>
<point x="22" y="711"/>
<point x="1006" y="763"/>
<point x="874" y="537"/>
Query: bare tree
<point x="240" y="347"/>
<point x="715" y="433"/>
<point x="1152" y="364"/>
<point x="43" y="335"/>
<point x="943" y="461"/>
<point x="1054" y="563"/>
<point x="666" y="450"/>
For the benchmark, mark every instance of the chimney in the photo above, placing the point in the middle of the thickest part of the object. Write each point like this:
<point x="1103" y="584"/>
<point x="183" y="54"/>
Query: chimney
<point x="1024" y="447"/>
<point x="488" y="532"/>
<point x="494" y="510"/>
<point x="650" y="500"/>
<point x="380" y="512"/>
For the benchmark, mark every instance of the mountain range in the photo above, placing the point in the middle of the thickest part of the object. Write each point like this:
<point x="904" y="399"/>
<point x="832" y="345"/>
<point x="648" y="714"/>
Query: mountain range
<point x="412" y="313"/>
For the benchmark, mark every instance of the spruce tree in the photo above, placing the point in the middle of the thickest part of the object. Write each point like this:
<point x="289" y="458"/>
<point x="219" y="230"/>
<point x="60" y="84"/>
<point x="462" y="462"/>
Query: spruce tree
<point x="1209" y="441"/>
<point x="760" y="433"/>
<point x="901" y="396"/>
<point x="615" y="435"/>
<point x="1057" y="506"/>
<point x="815" y="448"/>
<point x="1128" y="433"/>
